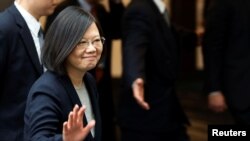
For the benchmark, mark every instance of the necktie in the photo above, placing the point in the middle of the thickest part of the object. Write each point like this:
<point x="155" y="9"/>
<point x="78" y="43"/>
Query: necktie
<point x="166" y="17"/>
<point x="41" y="42"/>
<point x="41" y="37"/>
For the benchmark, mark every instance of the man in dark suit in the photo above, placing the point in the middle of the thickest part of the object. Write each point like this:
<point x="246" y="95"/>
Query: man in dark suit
<point x="226" y="53"/>
<point x="19" y="61"/>
<point x="149" y="107"/>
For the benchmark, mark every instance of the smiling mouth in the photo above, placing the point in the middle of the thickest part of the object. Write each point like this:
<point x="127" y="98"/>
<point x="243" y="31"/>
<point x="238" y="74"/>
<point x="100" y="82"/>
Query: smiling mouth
<point x="89" y="58"/>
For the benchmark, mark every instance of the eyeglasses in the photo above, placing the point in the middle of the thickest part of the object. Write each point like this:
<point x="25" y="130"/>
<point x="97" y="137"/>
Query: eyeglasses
<point x="96" y="42"/>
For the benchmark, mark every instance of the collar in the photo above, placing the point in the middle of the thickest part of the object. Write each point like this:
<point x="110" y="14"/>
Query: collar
<point x="160" y="5"/>
<point x="33" y="24"/>
<point x="85" y="5"/>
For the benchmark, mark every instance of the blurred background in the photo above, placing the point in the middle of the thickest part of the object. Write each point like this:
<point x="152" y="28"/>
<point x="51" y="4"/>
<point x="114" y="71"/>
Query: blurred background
<point x="190" y="15"/>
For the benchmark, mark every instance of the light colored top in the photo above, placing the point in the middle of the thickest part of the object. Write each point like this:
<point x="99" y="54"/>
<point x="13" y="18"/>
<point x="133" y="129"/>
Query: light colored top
<point x="162" y="8"/>
<point x="85" y="100"/>
<point x="161" y="5"/>
<point x="33" y="25"/>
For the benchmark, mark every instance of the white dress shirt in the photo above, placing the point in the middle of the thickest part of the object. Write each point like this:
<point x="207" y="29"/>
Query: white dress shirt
<point x="33" y="25"/>
<point x="161" y="5"/>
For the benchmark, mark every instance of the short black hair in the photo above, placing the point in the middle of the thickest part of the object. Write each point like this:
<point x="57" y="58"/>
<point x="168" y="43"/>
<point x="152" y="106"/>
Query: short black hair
<point x="63" y="35"/>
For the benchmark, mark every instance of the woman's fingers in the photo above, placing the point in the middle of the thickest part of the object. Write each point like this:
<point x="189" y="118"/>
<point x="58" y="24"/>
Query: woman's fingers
<point x="81" y="114"/>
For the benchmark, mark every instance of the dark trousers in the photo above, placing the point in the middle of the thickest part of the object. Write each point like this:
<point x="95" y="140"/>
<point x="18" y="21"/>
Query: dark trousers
<point x="241" y="117"/>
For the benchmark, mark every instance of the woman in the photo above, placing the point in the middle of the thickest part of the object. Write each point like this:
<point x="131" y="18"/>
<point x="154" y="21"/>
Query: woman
<point x="73" y="45"/>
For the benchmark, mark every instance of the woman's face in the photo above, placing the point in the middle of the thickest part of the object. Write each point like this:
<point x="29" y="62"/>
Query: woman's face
<point x="87" y="53"/>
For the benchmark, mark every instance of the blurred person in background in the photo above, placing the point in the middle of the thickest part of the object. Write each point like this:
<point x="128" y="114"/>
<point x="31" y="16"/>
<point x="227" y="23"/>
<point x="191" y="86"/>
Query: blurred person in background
<point x="227" y="61"/>
<point x="149" y="108"/>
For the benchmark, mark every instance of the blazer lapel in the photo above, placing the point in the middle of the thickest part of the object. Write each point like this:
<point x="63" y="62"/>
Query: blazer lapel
<point x="74" y="99"/>
<point x="165" y="28"/>
<point x="27" y="39"/>
<point x="168" y="34"/>
<point x="93" y="94"/>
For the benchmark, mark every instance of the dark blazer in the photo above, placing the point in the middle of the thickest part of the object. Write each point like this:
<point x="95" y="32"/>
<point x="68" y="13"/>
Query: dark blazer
<point x="49" y="102"/>
<point x="19" y="68"/>
<point x="226" y="49"/>
<point x="149" y="51"/>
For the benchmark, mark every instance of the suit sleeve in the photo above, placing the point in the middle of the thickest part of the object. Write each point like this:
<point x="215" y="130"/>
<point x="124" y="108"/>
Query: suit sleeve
<point x="136" y="37"/>
<point x="43" y="123"/>
<point x="3" y="58"/>
<point x="214" y="43"/>
<point x="3" y="52"/>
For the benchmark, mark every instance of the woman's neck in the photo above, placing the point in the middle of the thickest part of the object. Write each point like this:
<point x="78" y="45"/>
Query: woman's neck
<point x="76" y="79"/>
